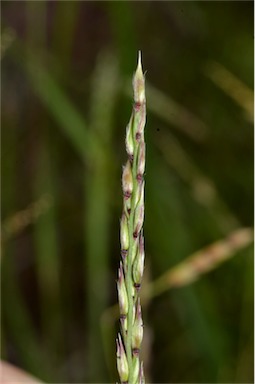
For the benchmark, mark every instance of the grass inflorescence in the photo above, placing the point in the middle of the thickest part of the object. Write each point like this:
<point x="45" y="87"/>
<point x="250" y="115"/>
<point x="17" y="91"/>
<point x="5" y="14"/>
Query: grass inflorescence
<point x="132" y="241"/>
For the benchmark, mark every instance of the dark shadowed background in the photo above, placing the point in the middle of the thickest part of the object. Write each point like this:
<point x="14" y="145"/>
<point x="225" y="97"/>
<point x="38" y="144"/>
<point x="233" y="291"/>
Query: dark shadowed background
<point x="66" y="99"/>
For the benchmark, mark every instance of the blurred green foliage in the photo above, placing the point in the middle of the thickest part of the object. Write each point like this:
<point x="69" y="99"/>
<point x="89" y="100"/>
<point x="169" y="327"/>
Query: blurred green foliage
<point x="66" y="86"/>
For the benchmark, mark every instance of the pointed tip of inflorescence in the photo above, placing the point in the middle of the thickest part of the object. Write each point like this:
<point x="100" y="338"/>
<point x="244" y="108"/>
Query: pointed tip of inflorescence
<point x="139" y="82"/>
<point x="139" y="63"/>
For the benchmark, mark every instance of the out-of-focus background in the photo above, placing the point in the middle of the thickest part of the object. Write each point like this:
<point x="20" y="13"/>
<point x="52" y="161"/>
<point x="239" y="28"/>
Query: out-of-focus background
<point x="66" y="100"/>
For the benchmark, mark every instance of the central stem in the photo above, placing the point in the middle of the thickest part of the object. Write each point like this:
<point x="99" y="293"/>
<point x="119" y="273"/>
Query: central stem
<point x="130" y="286"/>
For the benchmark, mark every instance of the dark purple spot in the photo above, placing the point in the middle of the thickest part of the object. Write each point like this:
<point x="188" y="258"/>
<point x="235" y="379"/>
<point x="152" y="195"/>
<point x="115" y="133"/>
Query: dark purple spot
<point x="138" y="136"/>
<point x="136" y="351"/>
<point x="137" y="106"/>
<point x="131" y="158"/>
<point x="139" y="178"/>
<point x="127" y="194"/>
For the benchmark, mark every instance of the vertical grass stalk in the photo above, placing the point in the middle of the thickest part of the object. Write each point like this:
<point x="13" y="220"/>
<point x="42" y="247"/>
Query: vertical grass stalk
<point x="132" y="242"/>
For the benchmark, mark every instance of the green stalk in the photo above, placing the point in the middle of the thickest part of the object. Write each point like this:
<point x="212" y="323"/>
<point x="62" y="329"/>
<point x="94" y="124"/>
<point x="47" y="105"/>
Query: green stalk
<point x="132" y="243"/>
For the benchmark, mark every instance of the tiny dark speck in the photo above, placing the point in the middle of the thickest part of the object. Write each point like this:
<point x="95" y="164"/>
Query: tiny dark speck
<point x="158" y="129"/>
